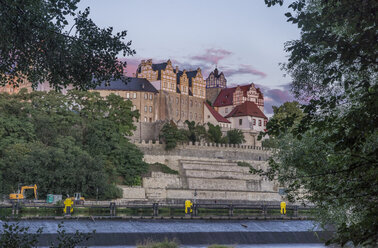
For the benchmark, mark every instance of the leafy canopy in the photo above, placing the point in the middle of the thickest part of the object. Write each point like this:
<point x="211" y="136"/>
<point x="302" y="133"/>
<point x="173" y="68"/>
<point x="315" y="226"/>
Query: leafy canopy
<point x="68" y="143"/>
<point x="38" y="44"/>
<point x="330" y="157"/>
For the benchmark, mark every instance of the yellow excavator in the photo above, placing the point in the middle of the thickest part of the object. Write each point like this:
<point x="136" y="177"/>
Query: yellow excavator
<point x="20" y="195"/>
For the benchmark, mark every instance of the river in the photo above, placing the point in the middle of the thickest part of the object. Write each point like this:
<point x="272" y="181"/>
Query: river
<point x="189" y="233"/>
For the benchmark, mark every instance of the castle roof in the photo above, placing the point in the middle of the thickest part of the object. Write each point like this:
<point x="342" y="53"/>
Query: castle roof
<point x="246" y="109"/>
<point x="216" y="115"/>
<point x="216" y="73"/>
<point x="133" y="84"/>
<point x="226" y="96"/>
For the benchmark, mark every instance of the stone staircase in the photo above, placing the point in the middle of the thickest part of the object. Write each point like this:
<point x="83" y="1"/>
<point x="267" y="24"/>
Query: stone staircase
<point x="208" y="181"/>
<point x="221" y="180"/>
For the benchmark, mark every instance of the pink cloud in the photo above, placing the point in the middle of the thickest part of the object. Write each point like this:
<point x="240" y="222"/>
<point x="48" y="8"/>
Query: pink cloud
<point x="275" y="97"/>
<point x="244" y="69"/>
<point x="132" y="65"/>
<point x="212" y="55"/>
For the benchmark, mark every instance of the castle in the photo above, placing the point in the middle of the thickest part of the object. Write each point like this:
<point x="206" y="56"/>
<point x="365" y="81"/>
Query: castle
<point x="162" y="92"/>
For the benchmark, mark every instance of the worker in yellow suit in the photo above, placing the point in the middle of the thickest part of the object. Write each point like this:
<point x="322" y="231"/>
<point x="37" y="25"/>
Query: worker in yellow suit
<point x="283" y="207"/>
<point x="188" y="207"/>
<point x="68" y="203"/>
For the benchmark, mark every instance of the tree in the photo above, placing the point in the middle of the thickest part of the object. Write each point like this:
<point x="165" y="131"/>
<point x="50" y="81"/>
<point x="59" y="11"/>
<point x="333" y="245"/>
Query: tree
<point x="288" y="115"/>
<point x="38" y="44"/>
<point x="68" y="143"/>
<point x="196" y="131"/>
<point x="215" y="133"/>
<point x="235" y="136"/>
<point x="330" y="157"/>
<point x="171" y="135"/>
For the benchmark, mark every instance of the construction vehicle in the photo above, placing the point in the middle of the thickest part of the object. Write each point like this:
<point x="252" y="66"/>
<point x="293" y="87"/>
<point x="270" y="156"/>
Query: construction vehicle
<point x="20" y="195"/>
<point x="78" y="199"/>
<point x="68" y="206"/>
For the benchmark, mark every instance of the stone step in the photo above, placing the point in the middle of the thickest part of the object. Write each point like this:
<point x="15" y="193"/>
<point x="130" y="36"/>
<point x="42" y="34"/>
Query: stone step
<point x="207" y="167"/>
<point x="208" y="162"/>
<point x="216" y="184"/>
<point x="221" y="174"/>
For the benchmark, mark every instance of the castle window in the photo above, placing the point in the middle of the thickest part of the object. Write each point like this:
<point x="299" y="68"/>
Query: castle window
<point x="177" y="112"/>
<point x="145" y="108"/>
<point x="151" y="96"/>
<point x="240" y="122"/>
<point x="145" y="119"/>
<point x="208" y="117"/>
<point x="150" y="109"/>
<point x="226" y="110"/>
<point x="254" y="121"/>
<point x="145" y="96"/>
<point x="260" y="123"/>
<point x="135" y="96"/>
<point x="177" y="101"/>
<point x="127" y="95"/>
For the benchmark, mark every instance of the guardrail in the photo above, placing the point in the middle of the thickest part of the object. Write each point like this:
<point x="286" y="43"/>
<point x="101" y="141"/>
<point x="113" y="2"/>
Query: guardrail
<point x="154" y="209"/>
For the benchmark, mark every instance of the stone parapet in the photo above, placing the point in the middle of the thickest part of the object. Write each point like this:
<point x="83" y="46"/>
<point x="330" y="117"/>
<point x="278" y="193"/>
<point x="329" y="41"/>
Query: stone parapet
<point x="207" y="151"/>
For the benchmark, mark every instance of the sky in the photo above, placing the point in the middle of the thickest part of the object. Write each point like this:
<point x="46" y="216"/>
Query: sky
<point x="243" y="38"/>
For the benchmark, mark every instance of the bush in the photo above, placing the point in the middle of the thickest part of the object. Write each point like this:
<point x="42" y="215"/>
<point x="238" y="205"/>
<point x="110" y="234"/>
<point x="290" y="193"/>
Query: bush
<point x="235" y="136"/>
<point x="171" y="135"/>
<point x="162" y="168"/>
<point x="165" y="244"/>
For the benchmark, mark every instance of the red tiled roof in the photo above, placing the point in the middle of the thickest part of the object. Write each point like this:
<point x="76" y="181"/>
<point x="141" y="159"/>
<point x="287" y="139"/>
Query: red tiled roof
<point x="246" y="109"/>
<point x="225" y="97"/>
<point x="216" y="115"/>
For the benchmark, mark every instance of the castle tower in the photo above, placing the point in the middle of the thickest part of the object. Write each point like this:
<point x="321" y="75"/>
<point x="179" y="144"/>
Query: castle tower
<point x="215" y="82"/>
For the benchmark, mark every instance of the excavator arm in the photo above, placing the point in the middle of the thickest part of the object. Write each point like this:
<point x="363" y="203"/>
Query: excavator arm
<point x="21" y="194"/>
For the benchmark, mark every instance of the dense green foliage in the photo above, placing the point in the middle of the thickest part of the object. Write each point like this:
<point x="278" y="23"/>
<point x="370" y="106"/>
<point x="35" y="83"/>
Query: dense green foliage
<point x="286" y="116"/>
<point x="38" y="44"/>
<point x="196" y="132"/>
<point x="330" y="157"/>
<point x="215" y="134"/>
<point x="171" y="135"/>
<point x="67" y="143"/>
<point x="235" y="136"/>
<point x="162" y="168"/>
<point x="164" y="244"/>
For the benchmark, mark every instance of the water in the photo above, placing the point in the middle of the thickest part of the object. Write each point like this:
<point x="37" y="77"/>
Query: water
<point x="237" y="246"/>
<point x="191" y="233"/>
<point x="165" y="226"/>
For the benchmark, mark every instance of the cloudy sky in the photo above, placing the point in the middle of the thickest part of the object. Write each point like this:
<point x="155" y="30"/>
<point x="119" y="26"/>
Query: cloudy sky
<point x="244" y="38"/>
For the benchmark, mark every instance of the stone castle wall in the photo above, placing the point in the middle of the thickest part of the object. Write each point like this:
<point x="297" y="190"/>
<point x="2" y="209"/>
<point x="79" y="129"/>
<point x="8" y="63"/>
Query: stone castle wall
<point x="206" y="151"/>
